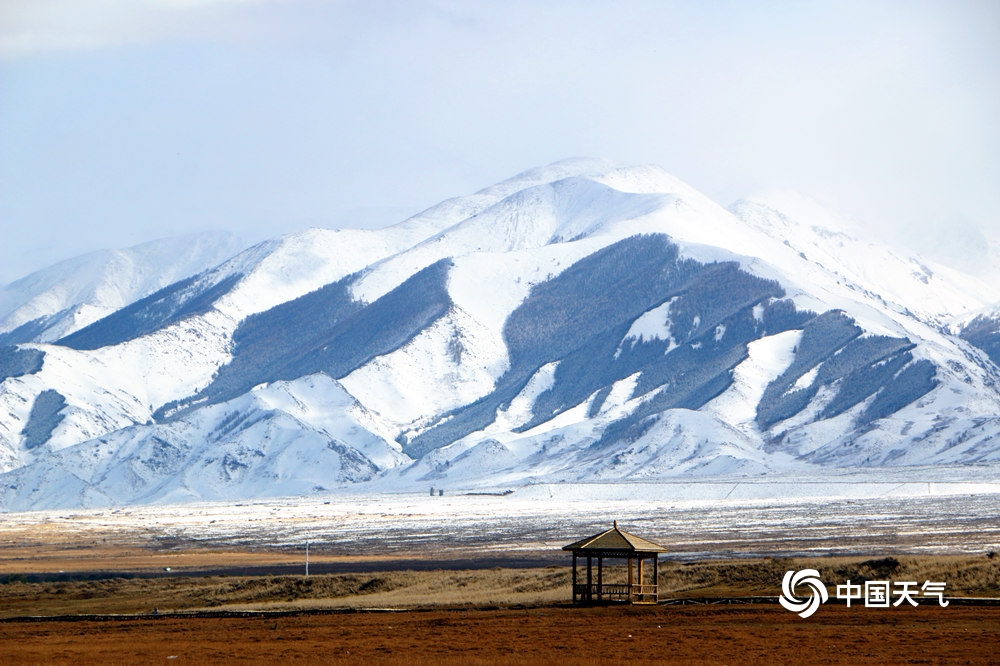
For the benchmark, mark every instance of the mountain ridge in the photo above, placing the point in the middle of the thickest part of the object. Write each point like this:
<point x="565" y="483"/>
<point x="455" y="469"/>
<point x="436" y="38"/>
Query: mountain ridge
<point x="56" y="301"/>
<point x="577" y="321"/>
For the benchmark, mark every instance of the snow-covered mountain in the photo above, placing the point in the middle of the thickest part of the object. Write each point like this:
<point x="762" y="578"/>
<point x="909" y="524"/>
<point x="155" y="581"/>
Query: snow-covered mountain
<point x="580" y="321"/>
<point x="63" y="298"/>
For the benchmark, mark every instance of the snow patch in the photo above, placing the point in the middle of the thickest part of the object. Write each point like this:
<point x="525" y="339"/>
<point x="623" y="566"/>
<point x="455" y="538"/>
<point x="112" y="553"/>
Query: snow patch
<point x="651" y="325"/>
<point x="767" y="358"/>
<point x="451" y="363"/>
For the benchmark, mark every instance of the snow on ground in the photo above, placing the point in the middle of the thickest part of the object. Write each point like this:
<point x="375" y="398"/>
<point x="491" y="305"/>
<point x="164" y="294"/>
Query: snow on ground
<point x="491" y="285"/>
<point x="322" y="402"/>
<point x="923" y="512"/>
<point x="519" y="411"/>
<point x="619" y="401"/>
<point x="680" y="443"/>
<point x="530" y="218"/>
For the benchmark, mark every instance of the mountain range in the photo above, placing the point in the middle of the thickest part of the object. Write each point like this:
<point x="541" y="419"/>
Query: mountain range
<point x="578" y="322"/>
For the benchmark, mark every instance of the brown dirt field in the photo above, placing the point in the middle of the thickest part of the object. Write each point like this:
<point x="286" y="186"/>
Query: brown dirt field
<point x="458" y="614"/>
<point x="622" y="634"/>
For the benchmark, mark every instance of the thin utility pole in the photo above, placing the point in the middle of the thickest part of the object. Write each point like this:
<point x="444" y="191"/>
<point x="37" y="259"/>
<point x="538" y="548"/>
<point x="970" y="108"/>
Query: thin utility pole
<point x="307" y="558"/>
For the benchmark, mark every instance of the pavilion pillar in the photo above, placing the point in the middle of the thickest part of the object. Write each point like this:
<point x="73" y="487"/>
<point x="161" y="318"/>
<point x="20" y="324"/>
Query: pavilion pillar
<point x="656" y="578"/>
<point x="641" y="579"/>
<point x="590" y="580"/>
<point x="600" y="577"/>
<point x="574" y="576"/>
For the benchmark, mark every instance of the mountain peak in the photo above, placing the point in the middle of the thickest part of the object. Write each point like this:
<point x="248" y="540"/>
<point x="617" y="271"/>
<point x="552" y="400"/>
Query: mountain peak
<point x="582" y="321"/>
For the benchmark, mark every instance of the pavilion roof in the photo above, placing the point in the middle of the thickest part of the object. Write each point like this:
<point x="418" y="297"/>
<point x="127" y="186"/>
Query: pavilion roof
<point x="616" y="539"/>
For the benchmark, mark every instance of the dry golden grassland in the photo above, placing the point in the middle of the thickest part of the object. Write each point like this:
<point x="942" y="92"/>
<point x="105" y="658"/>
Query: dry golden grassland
<point x="478" y="615"/>
<point x="977" y="576"/>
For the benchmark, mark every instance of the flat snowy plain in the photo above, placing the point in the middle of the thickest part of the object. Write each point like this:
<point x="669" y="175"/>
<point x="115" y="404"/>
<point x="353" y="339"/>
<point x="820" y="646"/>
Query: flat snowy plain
<point x="916" y="512"/>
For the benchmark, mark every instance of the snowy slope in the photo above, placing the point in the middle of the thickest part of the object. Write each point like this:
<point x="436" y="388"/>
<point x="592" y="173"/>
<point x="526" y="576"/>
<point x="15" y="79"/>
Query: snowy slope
<point x="291" y="438"/>
<point x="933" y="293"/>
<point x="488" y="274"/>
<point x="72" y="294"/>
<point x="580" y="321"/>
<point x="113" y="375"/>
<point x="108" y="387"/>
<point x="980" y="328"/>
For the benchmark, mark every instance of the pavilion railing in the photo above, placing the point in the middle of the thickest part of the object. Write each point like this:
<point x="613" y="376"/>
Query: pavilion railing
<point x="616" y="592"/>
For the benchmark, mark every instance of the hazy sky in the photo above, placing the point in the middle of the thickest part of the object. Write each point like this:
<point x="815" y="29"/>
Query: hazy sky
<point x="127" y="120"/>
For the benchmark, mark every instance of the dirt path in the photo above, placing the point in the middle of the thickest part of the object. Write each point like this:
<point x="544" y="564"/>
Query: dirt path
<point x="665" y="634"/>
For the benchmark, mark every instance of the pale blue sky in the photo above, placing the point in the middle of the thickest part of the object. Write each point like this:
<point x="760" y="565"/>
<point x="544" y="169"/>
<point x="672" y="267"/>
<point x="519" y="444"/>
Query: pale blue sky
<point x="127" y="120"/>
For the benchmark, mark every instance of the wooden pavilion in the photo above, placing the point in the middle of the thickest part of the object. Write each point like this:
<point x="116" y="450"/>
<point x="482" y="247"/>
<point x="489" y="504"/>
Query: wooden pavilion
<point x="641" y="585"/>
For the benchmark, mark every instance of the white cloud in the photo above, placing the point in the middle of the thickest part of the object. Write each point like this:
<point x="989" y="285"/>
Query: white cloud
<point x="30" y="27"/>
<point x="175" y="115"/>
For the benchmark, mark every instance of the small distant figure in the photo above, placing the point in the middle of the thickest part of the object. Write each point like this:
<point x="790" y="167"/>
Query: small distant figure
<point x="441" y="493"/>
<point x="432" y="491"/>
